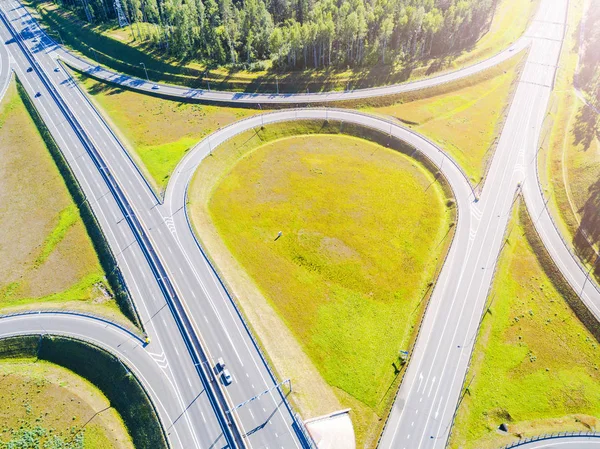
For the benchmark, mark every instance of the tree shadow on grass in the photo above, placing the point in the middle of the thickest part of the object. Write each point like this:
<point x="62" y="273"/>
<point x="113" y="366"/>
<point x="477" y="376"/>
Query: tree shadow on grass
<point x="586" y="127"/>
<point x="587" y="236"/>
<point x="588" y="232"/>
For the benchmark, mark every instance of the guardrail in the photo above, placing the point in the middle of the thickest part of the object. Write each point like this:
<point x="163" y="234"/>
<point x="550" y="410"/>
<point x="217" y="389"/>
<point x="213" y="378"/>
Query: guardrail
<point x="190" y="92"/>
<point x="197" y="352"/>
<point x="89" y="217"/>
<point x="551" y="436"/>
<point x="298" y="424"/>
<point x="101" y="347"/>
<point x="302" y="431"/>
<point x="131" y="330"/>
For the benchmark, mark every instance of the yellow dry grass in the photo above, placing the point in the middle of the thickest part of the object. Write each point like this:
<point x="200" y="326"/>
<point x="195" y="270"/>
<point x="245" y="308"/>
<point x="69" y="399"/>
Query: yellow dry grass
<point x="464" y="121"/>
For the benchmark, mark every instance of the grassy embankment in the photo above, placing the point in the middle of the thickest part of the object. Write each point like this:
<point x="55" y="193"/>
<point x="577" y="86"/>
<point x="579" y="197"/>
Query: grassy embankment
<point x="334" y="299"/>
<point x="67" y="394"/>
<point x="157" y="132"/>
<point x="535" y="364"/>
<point x="49" y="405"/>
<point x="115" y="48"/>
<point x="47" y="257"/>
<point x="463" y="117"/>
<point x="570" y="162"/>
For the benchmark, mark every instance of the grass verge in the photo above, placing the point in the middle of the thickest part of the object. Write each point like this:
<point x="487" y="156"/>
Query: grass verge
<point x="157" y="132"/>
<point x="51" y="248"/>
<point x="49" y="406"/>
<point x="115" y="48"/>
<point x="355" y="218"/>
<point x="125" y="399"/>
<point x="465" y="118"/>
<point x="536" y="359"/>
<point x="570" y="162"/>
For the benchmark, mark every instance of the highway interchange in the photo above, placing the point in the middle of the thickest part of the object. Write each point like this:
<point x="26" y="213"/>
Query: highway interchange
<point x="424" y="408"/>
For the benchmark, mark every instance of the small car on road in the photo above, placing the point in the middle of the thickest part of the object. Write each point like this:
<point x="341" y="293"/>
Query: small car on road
<point x="227" y="379"/>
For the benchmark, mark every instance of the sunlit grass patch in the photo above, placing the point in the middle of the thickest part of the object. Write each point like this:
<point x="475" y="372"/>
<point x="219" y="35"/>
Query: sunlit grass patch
<point x="464" y="121"/>
<point x="118" y="49"/>
<point x="363" y="229"/>
<point x="535" y="365"/>
<point x="570" y="160"/>
<point x="45" y="405"/>
<point x="157" y="131"/>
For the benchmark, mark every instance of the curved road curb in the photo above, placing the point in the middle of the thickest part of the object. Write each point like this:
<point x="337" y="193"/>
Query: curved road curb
<point x="92" y="68"/>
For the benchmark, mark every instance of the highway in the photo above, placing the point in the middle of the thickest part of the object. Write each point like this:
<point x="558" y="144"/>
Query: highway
<point x="563" y="442"/>
<point x="5" y="70"/>
<point x="179" y="389"/>
<point x="424" y="408"/>
<point x="174" y="91"/>
<point x="212" y="314"/>
<point x="129" y="348"/>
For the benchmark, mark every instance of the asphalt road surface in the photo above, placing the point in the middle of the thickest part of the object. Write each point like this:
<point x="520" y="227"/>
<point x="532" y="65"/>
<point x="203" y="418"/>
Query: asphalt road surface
<point x="175" y="91"/>
<point x="185" y="405"/>
<point x="562" y="442"/>
<point x="423" y="412"/>
<point x="267" y="421"/>
<point x="424" y="408"/>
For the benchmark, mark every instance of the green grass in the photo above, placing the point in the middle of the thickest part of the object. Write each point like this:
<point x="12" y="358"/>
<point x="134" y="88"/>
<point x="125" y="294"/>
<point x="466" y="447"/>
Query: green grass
<point x="535" y="364"/>
<point x="46" y="256"/>
<point x="45" y="405"/>
<point x="570" y="162"/>
<point x="116" y="48"/>
<point x="363" y="231"/>
<point x="464" y="119"/>
<point x="158" y="132"/>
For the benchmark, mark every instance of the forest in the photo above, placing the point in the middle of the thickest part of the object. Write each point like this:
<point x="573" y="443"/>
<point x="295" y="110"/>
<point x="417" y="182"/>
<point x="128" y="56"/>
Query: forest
<point x="297" y="34"/>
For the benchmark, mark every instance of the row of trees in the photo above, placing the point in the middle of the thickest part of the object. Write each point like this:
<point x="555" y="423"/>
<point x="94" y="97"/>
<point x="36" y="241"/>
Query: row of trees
<point x="300" y="33"/>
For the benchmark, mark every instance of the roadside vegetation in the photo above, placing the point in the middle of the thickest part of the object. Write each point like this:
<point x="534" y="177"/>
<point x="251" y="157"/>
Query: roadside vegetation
<point x="407" y="55"/>
<point x="45" y="405"/>
<point x="46" y="255"/>
<point x="363" y="229"/>
<point x="570" y="164"/>
<point x="535" y="366"/>
<point x="464" y="118"/>
<point x="157" y="132"/>
<point x="62" y="393"/>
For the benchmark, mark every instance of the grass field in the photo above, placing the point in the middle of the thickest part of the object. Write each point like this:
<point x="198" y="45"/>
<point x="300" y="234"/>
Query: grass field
<point x="464" y="120"/>
<point x="363" y="231"/>
<point x="570" y="162"/>
<point x="45" y="405"/>
<point x="47" y="259"/>
<point x="115" y="48"/>
<point x="158" y="132"/>
<point x="535" y="364"/>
